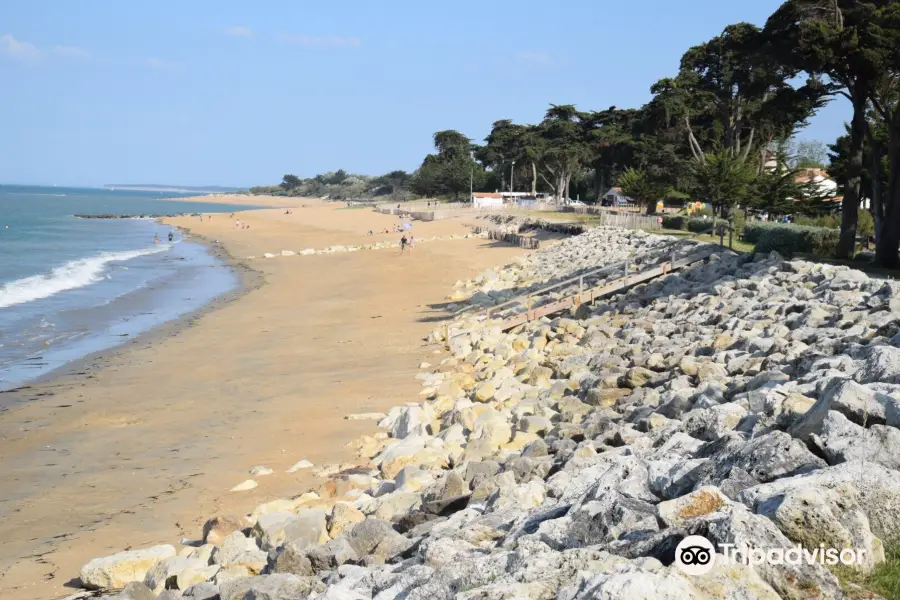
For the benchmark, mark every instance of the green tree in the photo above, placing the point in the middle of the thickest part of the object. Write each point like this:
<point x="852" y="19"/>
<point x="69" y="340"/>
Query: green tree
<point x="452" y="170"/>
<point x="290" y="182"/>
<point x="643" y="188"/>
<point x="732" y="95"/>
<point x="830" y="40"/>
<point x="562" y="147"/>
<point x="724" y="180"/>
<point x="337" y="177"/>
<point x="874" y="177"/>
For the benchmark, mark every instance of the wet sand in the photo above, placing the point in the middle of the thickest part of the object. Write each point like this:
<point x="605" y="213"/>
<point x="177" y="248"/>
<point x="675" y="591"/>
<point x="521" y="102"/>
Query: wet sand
<point x="138" y="446"/>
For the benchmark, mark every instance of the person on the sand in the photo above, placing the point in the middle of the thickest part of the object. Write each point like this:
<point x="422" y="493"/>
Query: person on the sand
<point x="403" y="242"/>
<point x="412" y="242"/>
<point x="171" y="237"/>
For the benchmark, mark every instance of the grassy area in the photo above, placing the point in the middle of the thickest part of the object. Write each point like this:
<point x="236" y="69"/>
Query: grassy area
<point x="884" y="580"/>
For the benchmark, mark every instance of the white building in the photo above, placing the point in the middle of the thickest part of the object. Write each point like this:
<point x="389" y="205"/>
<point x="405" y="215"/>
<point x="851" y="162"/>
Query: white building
<point x="487" y="200"/>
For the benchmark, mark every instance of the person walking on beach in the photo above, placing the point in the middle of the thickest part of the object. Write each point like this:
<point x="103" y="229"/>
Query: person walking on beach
<point x="403" y="242"/>
<point x="171" y="237"/>
<point x="156" y="239"/>
<point x="412" y="242"/>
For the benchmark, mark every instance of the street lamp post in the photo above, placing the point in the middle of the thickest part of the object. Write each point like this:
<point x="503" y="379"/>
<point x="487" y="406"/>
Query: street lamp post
<point x="512" y="173"/>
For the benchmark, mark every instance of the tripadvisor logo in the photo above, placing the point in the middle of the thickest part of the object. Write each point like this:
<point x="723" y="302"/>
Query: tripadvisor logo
<point x="696" y="555"/>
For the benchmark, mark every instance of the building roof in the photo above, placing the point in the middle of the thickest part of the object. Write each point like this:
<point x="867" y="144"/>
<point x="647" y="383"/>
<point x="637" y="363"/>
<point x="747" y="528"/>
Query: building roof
<point x="486" y="195"/>
<point x="807" y="175"/>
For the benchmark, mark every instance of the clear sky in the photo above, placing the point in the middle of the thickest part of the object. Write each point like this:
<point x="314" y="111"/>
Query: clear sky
<point x="220" y="92"/>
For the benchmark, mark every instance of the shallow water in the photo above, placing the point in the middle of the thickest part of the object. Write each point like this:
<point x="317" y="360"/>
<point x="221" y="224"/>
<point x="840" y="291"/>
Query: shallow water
<point x="70" y="287"/>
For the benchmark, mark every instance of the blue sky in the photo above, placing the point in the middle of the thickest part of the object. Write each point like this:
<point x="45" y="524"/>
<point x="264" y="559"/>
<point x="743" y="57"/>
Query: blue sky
<point x="239" y="93"/>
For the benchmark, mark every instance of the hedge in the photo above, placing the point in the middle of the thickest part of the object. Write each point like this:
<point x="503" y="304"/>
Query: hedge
<point x="692" y="224"/>
<point x="788" y="239"/>
<point x="674" y="222"/>
<point x="705" y="225"/>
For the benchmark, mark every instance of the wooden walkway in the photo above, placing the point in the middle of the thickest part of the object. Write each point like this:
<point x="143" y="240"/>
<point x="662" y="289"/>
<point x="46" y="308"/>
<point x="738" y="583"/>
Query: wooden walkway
<point x="591" y="294"/>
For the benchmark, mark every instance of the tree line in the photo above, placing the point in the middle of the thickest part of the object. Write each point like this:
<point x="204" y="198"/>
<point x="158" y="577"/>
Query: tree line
<point x="717" y="131"/>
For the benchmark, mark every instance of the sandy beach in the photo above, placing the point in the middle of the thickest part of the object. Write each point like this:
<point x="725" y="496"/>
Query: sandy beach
<point x="140" y="445"/>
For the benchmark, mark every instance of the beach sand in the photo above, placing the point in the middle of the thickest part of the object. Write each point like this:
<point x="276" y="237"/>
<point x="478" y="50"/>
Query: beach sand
<point x="140" y="445"/>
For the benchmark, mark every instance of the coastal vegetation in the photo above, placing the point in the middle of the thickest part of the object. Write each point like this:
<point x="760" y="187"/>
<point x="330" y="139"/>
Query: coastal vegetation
<point x="721" y="130"/>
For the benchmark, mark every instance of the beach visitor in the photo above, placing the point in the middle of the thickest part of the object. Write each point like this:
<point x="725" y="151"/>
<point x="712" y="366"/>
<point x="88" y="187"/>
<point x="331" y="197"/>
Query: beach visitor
<point x="403" y="242"/>
<point x="412" y="242"/>
<point x="171" y="237"/>
<point x="156" y="239"/>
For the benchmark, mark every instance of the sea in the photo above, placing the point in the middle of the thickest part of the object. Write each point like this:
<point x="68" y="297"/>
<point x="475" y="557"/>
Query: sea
<point x="71" y="286"/>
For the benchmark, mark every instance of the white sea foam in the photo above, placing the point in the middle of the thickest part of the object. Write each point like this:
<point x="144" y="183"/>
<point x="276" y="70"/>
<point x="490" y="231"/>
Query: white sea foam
<point x="74" y="274"/>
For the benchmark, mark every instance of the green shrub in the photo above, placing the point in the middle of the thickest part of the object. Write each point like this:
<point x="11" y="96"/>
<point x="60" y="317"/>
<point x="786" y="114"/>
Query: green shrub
<point x="830" y="221"/>
<point x="702" y="212"/>
<point x="754" y="229"/>
<point x="789" y="239"/>
<point x="675" y="222"/>
<point x="740" y="221"/>
<point x="704" y="225"/>
<point x="865" y="224"/>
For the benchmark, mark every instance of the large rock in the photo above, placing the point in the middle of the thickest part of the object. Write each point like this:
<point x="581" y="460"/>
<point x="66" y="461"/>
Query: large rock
<point x="134" y="591"/>
<point x="740" y="528"/>
<point x="516" y="496"/>
<point x="859" y="403"/>
<point x="279" y="586"/>
<point x="878" y="492"/>
<point x="240" y="551"/>
<point x="307" y="528"/>
<point x="269" y="528"/>
<point x="343" y="515"/>
<point x="180" y="573"/>
<point x="608" y="518"/>
<point x="735" y="582"/>
<point x="637" y="377"/>
<point x="413" y="420"/>
<point x="712" y="423"/>
<point x="831" y="518"/>
<point x="675" y="477"/>
<point x="704" y="501"/>
<point x="293" y="559"/>
<point x="331" y="555"/>
<point x="216" y="528"/>
<point x="118" y="570"/>
<point x="881" y="364"/>
<point x="766" y="458"/>
<point x="412" y="479"/>
<point x="366" y="537"/>
<point x="202" y="591"/>
<point x="412" y="450"/>
<point x="395" y="504"/>
<point x="841" y="441"/>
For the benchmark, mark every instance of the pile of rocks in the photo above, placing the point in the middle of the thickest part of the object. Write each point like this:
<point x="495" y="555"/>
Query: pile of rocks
<point x="518" y="224"/>
<point x="375" y="246"/>
<point x="605" y="248"/>
<point x="751" y="400"/>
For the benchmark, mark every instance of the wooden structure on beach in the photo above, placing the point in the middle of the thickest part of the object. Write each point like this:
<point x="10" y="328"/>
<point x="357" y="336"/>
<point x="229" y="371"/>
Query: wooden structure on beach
<point x="573" y="301"/>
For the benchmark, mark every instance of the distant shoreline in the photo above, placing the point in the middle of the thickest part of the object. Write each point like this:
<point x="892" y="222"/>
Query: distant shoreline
<point x="172" y="188"/>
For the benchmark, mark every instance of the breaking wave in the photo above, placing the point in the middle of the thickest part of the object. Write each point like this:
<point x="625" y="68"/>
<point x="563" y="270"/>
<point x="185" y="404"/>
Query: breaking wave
<point x="72" y="275"/>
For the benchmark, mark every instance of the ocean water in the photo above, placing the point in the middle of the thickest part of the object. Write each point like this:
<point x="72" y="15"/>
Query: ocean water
<point x="70" y="286"/>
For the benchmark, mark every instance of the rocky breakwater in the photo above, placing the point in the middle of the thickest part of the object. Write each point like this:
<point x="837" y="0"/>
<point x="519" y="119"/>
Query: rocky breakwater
<point x="602" y="248"/>
<point x="749" y="400"/>
<point x="374" y="246"/>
